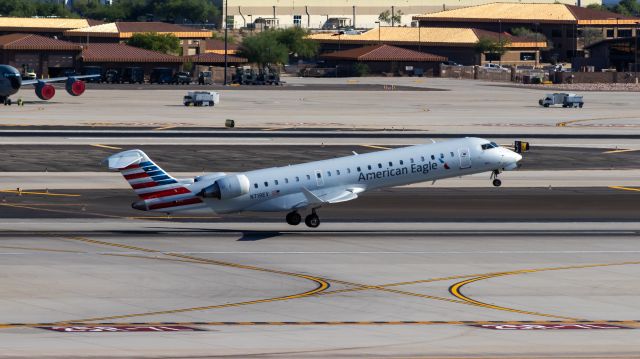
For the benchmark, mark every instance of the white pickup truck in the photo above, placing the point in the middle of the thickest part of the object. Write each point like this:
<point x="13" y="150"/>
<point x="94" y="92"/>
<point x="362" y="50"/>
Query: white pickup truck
<point x="201" y="98"/>
<point x="564" y="99"/>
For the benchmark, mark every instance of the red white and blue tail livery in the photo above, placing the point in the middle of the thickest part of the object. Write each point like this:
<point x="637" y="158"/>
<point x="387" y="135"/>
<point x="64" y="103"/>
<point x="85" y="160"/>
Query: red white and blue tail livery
<point x="309" y="185"/>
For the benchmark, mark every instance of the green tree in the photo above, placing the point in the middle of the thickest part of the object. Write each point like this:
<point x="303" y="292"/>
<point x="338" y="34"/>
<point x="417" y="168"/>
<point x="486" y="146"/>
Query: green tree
<point x="599" y="7"/>
<point x="591" y="35"/>
<point x="486" y="45"/>
<point x="296" y="41"/>
<point x="190" y="10"/>
<point x="264" y="48"/>
<point x="389" y="18"/>
<point x="165" y="43"/>
<point x="532" y="35"/>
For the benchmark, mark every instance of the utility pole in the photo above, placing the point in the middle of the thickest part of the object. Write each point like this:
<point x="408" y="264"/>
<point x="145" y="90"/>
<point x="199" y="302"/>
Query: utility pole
<point x="635" y="64"/>
<point x="378" y="22"/>
<point x="226" y="29"/>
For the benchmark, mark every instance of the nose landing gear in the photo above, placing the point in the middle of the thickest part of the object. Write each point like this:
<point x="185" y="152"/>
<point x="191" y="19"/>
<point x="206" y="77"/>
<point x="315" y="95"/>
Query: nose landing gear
<point x="494" y="175"/>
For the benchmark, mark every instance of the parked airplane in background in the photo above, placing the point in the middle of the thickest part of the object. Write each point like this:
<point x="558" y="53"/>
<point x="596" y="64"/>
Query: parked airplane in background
<point x="309" y="185"/>
<point x="11" y="81"/>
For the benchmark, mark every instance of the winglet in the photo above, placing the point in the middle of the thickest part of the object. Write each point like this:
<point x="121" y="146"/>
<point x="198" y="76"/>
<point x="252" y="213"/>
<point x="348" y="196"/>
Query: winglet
<point x="126" y="158"/>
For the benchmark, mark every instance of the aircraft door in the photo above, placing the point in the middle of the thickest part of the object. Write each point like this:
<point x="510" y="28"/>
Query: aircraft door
<point x="465" y="158"/>
<point x="319" y="179"/>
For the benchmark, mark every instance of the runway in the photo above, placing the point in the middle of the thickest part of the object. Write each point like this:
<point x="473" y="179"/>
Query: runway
<point x="583" y="204"/>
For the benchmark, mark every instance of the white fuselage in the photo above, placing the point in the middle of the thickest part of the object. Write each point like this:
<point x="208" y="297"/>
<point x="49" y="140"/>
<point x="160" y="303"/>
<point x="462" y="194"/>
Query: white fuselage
<point x="282" y="188"/>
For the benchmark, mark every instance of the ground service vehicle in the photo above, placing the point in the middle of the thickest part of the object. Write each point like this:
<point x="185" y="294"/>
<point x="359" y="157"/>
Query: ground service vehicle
<point x="201" y="98"/>
<point x="205" y="78"/>
<point x="161" y="75"/>
<point x="181" y="78"/>
<point x="133" y="75"/>
<point x="111" y="76"/>
<point x="564" y="99"/>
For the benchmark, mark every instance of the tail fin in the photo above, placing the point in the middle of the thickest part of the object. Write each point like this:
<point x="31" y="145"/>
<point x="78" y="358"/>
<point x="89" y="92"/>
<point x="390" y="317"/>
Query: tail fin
<point x="157" y="189"/>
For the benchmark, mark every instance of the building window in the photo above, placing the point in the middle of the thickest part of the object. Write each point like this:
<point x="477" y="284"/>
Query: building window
<point x="609" y="32"/>
<point x="297" y="20"/>
<point x="230" y="21"/>
<point x="624" y="33"/>
<point x="527" y="56"/>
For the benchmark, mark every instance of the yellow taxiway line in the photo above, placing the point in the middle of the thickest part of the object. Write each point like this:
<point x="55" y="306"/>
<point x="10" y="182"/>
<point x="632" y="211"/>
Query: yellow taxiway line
<point x="621" y="151"/>
<point x="625" y="188"/>
<point x="39" y="193"/>
<point x="376" y="147"/>
<point x="105" y="146"/>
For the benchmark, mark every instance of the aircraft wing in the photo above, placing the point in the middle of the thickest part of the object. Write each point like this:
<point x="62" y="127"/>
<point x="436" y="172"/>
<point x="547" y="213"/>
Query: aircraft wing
<point x="57" y="79"/>
<point x="335" y="195"/>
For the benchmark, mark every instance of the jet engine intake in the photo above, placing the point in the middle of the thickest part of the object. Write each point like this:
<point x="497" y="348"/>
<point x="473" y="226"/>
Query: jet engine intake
<point x="227" y="187"/>
<point x="45" y="91"/>
<point x="74" y="87"/>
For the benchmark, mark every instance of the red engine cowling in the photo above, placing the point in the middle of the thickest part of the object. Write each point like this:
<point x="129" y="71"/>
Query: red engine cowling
<point x="74" y="87"/>
<point x="45" y="91"/>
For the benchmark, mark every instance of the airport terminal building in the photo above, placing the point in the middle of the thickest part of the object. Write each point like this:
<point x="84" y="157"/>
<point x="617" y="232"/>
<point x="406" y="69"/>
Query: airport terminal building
<point x="335" y="14"/>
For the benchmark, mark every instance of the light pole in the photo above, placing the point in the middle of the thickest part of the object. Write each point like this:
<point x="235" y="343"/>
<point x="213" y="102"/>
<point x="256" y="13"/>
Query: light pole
<point x="537" y="48"/>
<point x="419" y="39"/>
<point x="226" y="29"/>
<point x="500" y="41"/>
<point x="378" y="22"/>
<point x="635" y="64"/>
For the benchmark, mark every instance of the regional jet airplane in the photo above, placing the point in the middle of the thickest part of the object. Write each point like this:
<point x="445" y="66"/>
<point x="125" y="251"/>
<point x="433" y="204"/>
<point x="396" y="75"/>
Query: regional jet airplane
<point x="11" y="81"/>
<point x="309" y="185"/>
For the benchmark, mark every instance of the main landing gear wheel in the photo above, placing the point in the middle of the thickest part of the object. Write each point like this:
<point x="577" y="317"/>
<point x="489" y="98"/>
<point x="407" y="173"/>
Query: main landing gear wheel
<point x="497" y="182"/>
<point x="294" y="218"/>
<point x="312" y="220"/>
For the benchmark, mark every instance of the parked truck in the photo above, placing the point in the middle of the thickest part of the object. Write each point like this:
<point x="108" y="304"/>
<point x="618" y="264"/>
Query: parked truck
<point x="560" y="98"/>
<point x="201" y="98"/>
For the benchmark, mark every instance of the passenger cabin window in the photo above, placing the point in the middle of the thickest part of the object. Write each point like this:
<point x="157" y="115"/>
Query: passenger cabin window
<point x="379" y="165"/>
<point x="255" y="185"/>
<point x="338" y="172"/>
<point x="276" y="182"/>
<point x="286" y="180"/>
<point x="390" y="164"/>
<point x="297" y="179"/>
<point x="442" y="155"/>
<point x="318" y="175"/>
<point x="433" y="157"/>
<point x="422" y="158"/>
<point x="359" y="170"/>
<point x="329" y="173"/>
<point x="452" y="155"/>
<point x="308" y="177"/>
<point x="266" y="184"/>
<point x="348" y="170"/>
<point x="369" y="167"/>
<point x="401" y="162"/>
<point x="411" y="160"/>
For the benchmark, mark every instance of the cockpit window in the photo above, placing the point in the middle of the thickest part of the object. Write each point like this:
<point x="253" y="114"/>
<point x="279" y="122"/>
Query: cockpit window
<point x="490" y="145"/>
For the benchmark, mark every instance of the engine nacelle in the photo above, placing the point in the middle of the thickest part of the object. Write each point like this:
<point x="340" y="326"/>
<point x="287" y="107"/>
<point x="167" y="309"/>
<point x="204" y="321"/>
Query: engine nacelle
<point x="45" y="91"/>
<point x="227" y="187"/>
<point x="74" y="87"/>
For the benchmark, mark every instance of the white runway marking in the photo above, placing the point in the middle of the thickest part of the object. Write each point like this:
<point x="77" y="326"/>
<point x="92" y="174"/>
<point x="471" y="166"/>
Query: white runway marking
<point x="349" y="252"/>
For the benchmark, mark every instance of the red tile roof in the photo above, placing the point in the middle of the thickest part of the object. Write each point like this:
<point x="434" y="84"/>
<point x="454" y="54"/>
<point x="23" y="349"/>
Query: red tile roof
<point x="383" y="52"/>
<point x="35" y="42"/>
<point x="105" y="52"/>
<point x="214" y="58"/>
